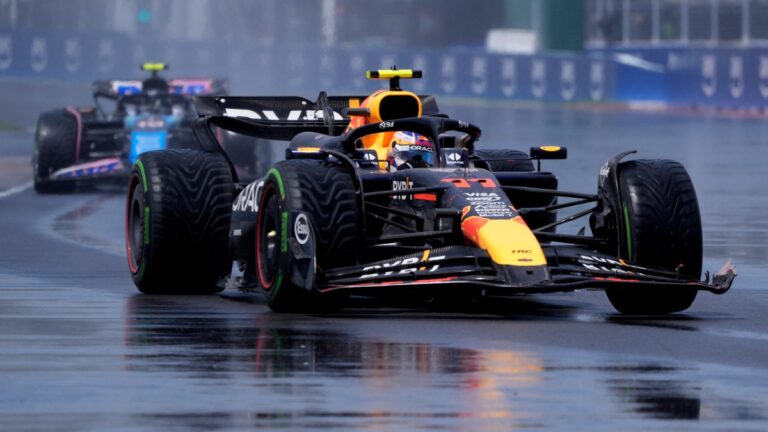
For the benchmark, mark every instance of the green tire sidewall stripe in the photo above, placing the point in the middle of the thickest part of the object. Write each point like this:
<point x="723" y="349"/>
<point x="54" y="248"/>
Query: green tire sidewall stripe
<point x="628" y="232"/>
<point x="146" y="226"/>
<point x="283" y="231"/>
<point x="143" y="265"/>
<point x="274" y="172"/>
<point x="143" y="174"/>
<point x="147" y="216"/>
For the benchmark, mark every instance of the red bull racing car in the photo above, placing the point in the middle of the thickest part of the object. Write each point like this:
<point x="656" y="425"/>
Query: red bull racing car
<point x="129" y="117"/>
<point x="385" y="195"/>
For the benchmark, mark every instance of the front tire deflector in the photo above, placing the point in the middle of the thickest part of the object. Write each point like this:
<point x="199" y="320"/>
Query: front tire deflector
<point x="302" y="246"/>
<point x="608" y="190"/>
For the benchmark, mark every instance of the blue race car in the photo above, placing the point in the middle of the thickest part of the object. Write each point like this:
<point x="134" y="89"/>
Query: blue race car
<point x="129" y="117"/>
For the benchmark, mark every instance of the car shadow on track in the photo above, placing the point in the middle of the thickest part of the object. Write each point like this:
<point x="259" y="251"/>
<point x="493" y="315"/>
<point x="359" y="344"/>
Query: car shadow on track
<point x="528" y="308"/>
<point x="508" y="309"/>
<point x="682" y="321"/>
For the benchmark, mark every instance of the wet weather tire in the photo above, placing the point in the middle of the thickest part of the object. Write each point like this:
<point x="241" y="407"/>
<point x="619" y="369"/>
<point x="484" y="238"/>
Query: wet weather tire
<point x="177" y="222"/>
<point x="304" y="202"/>
<point x="664" y="230"/>
<point x="55" y="148"/>
<point x="506" y="160"/>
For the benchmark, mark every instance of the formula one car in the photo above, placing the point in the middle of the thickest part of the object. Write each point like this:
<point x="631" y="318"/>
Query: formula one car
<point x="76" y="144"/>
<point x="356" y="210"/>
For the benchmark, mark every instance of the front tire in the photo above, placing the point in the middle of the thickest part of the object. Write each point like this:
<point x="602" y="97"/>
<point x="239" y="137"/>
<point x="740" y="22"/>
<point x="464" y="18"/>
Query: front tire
<point x="56" y="138"/>
<point x="307" y="221"/>
<point x="177" y="222"/>
<point x="660" y="208"/>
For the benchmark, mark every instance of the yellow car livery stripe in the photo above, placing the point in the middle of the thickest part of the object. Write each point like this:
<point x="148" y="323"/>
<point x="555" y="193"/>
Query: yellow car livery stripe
<point x="507" y="241"/>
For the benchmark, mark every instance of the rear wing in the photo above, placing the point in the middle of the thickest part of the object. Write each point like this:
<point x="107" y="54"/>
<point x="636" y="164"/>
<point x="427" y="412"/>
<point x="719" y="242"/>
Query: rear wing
<point x="283" y="117"/>
<point x="113" y="89"/>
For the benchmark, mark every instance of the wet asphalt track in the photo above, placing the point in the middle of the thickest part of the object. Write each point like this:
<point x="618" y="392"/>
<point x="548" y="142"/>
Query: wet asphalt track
<point x="81" y="350"/>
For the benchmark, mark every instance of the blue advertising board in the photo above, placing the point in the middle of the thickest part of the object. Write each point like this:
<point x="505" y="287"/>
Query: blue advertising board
<point x="302" y="70"/>
<point x="691" y="76"/>
<point x="708" y="77"/>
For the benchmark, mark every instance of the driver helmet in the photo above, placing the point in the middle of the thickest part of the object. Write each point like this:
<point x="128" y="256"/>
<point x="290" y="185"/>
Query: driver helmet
<point x="411" y="150"/>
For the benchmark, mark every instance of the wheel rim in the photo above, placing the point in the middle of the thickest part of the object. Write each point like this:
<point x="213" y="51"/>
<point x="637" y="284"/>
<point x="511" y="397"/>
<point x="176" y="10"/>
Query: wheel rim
<point x="268" y="237"/>
<point x="134" y="232"/>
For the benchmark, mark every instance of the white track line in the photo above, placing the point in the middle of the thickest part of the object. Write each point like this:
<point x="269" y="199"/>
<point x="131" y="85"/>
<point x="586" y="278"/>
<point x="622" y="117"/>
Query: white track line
<point x="16" y="189"/>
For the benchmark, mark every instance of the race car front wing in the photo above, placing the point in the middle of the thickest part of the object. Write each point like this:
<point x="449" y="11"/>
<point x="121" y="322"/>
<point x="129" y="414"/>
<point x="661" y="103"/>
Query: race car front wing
<point x="465" y="268"/>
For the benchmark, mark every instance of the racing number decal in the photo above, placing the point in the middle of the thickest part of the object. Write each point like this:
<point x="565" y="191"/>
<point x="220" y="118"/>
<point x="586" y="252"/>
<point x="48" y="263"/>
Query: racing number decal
<point x="463" y="183"/>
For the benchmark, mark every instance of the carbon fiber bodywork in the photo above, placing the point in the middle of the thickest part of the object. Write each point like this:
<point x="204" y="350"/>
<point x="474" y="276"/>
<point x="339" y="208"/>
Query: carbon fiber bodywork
<point x="107" y="139"/>
<point x="432" y="248"/>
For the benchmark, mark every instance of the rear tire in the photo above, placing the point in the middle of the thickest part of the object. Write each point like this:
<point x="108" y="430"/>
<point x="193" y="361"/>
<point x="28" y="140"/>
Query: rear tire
<point x="323" y="194"/>
<point x="662" y="212"/>
<point x="55" y="148"/>
<point x="506" y="160"/>
<point x="177" y="222"/>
